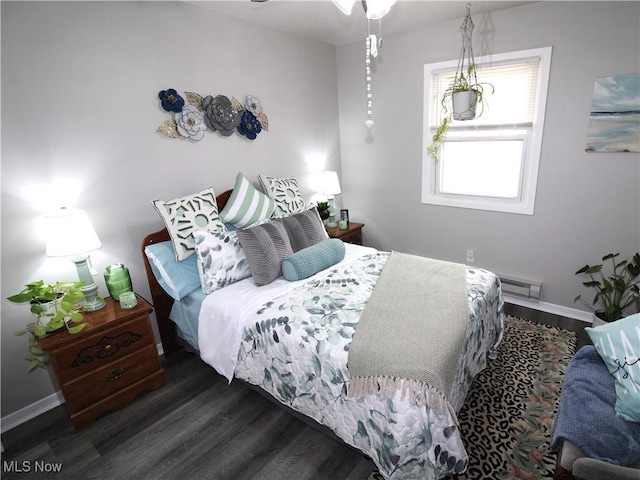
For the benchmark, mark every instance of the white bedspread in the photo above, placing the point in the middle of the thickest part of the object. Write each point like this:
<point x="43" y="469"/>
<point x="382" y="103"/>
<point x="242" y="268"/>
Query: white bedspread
<point x="225" y="313"/>
<point x="291" y="339"/>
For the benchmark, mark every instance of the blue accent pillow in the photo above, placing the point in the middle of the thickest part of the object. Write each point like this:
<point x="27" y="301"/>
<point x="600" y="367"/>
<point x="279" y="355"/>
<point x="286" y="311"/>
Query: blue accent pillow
<point x="178" y="279"/>
<point x="618" y="343"/>
<point x="313" y="259"/>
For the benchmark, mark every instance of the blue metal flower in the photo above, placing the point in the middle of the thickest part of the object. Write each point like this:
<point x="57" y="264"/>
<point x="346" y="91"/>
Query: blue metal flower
<point x="171" y="101"/>
<point x="249" y="125"/>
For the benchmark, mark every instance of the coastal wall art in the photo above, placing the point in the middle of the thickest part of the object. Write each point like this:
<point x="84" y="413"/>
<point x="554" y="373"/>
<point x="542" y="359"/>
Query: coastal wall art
<point x="614" y="122"/>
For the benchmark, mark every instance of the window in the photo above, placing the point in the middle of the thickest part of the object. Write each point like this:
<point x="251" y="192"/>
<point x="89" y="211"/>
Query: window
<point x="491" y="162"/>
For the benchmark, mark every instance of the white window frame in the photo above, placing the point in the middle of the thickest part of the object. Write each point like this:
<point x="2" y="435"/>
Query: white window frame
<point x="525" y="203"/>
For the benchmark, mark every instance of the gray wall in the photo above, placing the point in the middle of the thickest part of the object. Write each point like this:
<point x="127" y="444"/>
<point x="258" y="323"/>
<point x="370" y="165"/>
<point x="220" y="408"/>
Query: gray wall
<point x="79" y="106"/>
<point x="587" y="204"/>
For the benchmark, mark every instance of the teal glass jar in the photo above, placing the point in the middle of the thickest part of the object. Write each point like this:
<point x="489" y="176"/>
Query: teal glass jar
<point x="118" y="280"/>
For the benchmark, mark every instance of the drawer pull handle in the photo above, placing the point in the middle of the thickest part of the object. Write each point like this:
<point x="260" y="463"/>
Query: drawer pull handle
<point x="115" y="374"/>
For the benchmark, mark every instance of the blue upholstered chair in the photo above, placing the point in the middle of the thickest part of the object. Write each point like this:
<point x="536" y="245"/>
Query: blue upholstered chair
<point x="592" y="442"/>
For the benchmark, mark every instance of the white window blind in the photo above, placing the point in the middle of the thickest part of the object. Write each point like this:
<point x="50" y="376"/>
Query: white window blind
<point x="491" y="162"/>
<point x="513" y="104"/>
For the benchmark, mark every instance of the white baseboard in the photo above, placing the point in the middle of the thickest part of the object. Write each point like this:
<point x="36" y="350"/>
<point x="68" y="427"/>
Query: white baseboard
<point x="551" y="308"/>
<point x="38" y="408"/>
<point x="31" y="411"/>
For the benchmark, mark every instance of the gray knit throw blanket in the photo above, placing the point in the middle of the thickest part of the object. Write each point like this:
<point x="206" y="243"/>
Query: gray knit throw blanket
<point x="410" y="335"/>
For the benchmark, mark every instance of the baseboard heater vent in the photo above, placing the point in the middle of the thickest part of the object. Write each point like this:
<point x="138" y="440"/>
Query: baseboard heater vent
<point x="521" y="288"/>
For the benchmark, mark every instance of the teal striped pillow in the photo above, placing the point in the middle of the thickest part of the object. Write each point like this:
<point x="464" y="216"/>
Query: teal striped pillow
<point x="246" y="205"/>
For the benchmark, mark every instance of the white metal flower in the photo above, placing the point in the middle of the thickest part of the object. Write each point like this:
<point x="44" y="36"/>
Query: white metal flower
<point x="190" y="123"/>
<point x="254" y="105"/>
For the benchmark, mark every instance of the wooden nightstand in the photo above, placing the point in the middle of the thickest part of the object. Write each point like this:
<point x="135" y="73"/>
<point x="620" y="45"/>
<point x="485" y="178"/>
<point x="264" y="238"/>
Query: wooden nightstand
<point x="353" y="233"/>
<point x="107" y="364"/>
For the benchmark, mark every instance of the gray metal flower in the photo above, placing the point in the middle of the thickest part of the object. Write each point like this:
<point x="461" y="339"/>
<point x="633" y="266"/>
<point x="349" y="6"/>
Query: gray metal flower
<point x="220" y="115"/>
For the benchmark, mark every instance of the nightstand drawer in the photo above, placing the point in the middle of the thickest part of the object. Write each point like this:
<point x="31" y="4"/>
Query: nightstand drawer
<point x="97" y="350"/>
<point x="353" y="237"/>
<point x="111" y="378"/>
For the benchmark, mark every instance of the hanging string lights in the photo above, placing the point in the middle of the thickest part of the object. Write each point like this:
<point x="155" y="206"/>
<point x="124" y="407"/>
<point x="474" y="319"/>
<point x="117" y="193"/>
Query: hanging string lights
<point x="374" y="10"/>
<point x="368" y="42"/>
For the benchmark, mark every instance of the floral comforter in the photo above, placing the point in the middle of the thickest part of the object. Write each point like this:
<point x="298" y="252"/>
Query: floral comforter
<point x="297" y="350"/>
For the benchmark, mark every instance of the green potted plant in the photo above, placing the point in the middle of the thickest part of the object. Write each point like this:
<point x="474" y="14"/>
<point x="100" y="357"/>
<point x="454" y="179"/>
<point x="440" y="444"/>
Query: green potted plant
<point x="467" y="94"/>
<point x="467" y="98"/>
<point x="617" y="290"/>
<point x="55" y="306"/>
<point x="323" y="210"/>
<point x="465" y="91"/>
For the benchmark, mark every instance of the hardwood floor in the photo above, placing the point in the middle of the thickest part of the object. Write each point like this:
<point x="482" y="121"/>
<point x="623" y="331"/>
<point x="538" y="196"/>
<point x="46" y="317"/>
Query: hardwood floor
<point x="570" y="324"/>
<point x="196" y="427"/>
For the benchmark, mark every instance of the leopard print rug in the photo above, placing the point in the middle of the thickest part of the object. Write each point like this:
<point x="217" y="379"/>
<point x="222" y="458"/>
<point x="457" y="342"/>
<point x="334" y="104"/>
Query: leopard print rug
<point x="508" y="414"/>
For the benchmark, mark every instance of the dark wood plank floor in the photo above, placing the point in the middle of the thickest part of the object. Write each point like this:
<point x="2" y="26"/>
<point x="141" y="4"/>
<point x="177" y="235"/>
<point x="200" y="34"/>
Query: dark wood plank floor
<point x="196" y="427"/>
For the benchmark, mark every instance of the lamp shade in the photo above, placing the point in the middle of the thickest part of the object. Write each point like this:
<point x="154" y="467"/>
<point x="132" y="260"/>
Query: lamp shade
<point x="330" y="183"/>
<point x="69" y="232"/>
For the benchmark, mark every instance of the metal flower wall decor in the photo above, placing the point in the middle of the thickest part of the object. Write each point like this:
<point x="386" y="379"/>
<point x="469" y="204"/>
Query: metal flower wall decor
<point x="196" y="115"/>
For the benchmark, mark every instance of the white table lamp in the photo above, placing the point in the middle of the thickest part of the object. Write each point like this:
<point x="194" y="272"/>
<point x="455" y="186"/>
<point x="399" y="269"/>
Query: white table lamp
<point x="330" y="187"/>
<point x="69" y="233"/>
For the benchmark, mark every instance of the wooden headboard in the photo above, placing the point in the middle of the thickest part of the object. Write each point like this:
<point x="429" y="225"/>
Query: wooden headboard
<point x="162" y="302"/>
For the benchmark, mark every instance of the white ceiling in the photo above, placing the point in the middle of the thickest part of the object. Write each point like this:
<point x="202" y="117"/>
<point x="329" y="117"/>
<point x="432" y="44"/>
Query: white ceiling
<point x="321" y="19"/>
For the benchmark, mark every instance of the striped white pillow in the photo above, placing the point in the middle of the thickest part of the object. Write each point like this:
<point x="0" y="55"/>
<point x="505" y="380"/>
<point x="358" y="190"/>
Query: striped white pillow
<point x="246" y="205"/>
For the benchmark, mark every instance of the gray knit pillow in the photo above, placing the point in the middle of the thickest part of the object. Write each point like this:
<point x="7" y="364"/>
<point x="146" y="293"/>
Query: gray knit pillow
<point x="265" y="246"/>
<point x="305" y="229"/>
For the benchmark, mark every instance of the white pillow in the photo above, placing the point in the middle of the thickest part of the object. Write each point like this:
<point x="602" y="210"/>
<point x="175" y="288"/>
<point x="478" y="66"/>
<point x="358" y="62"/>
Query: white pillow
<point x="221" y="260"/>
<point x="285" y="192"/>
<point x="183" y="215"/>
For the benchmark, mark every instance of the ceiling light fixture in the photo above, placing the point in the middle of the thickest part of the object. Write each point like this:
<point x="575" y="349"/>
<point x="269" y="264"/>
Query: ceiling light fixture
<point x="374" y="10"/>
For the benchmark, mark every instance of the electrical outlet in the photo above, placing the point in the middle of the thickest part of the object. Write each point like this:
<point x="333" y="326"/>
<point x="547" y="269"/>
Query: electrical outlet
<point x="470" y="256"/>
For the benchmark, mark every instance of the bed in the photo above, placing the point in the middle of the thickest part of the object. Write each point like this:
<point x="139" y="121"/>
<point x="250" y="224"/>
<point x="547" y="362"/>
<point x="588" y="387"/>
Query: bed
<point x="291" y="339"/>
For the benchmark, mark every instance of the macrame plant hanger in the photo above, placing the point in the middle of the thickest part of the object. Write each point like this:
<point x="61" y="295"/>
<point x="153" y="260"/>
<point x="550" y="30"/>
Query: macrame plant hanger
<point x="466" y="69"/>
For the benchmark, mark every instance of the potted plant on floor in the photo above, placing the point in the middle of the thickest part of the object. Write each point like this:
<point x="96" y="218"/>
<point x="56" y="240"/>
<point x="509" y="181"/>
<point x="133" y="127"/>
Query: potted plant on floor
<point x="55" y="306"/>
<point x="616" y="291"/>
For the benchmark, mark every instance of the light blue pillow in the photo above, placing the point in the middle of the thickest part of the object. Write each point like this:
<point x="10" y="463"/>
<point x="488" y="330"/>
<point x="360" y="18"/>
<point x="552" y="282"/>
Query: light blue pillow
<point x="618" y="343"/>
<point x="178" y="279"/>
<point x="313" y="259"/>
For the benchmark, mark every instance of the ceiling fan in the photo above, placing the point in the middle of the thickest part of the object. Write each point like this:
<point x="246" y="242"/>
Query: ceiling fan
<point x="373" y="9"/>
